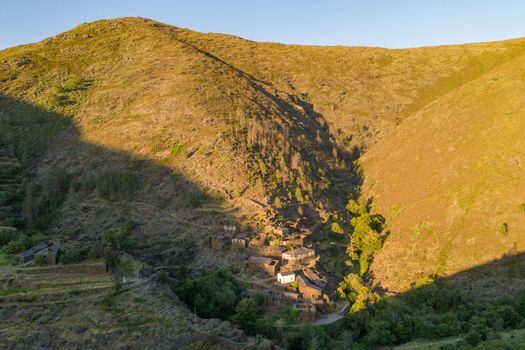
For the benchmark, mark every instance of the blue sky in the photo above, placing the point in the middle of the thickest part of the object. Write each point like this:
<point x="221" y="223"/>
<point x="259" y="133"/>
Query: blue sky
<point x="394" y="23"/>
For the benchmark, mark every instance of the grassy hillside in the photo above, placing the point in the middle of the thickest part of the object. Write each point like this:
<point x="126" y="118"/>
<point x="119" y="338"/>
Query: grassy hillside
<point x="362" y="92"/>
<point x="137" y="127"/>
<point x="451" y="182"/>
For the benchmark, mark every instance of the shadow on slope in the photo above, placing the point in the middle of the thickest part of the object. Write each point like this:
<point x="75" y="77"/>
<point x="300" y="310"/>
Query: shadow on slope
<point x="466" y="306"/>
<point x="82" y="190"/>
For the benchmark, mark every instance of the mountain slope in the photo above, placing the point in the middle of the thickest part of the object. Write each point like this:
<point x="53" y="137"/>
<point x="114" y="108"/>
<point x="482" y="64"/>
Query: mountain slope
<point x="361" y="91"/>
<point x="450" y="180"/>
<point x="194" y="116"/>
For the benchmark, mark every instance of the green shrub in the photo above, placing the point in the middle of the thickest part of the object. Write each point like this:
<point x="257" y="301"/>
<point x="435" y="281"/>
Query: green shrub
<point x="7" y="234"/>
<point x="212" y="294"/>
<point x="73" y="256"/>
<point x="473" y="337"/>
<point x="116" y="185"/>
<point x="15" y="247"/>
<point x="290" y="315"/>
<point x="247" y="314"/>
<point x="177" y="149"/>
<point x="23" y="242"/>
<point x="195" y="199"/>
<point x="336" y="228"/>
<point x="42" y="201"/>
<point x="504" y="229"/>
<point x="259" y="298"/>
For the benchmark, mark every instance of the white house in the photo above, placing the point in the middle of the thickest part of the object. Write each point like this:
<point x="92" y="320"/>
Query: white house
<point x="286" y="277"/>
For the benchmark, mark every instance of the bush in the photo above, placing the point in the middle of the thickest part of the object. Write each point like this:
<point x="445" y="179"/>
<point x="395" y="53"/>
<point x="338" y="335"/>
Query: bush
<point x="42" y="201"/>
<point x="504" y="229"/>
<point x="212" y="294"/>
<point x="473" y="337"/>
<point x="7" y="234"/>
<point x="15" y="247"/>
<point x="246" y="315"/>
<point x="23" y="242"/>
<point x="73" y="256"/>
<point x="290" y="315"/>
<point x="336" y="228"/>
<point x="177" y="149"/>
<point x="116" y="185"/>
<point x="195" y="199"/>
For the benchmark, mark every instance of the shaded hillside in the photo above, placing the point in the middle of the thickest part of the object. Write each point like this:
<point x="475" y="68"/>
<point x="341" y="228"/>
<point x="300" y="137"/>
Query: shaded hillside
<point x="79" y="192"/>
<point x="432" y="314"/>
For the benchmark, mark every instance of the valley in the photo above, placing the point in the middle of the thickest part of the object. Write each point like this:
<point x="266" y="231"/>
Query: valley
<point x="250" y="195"/>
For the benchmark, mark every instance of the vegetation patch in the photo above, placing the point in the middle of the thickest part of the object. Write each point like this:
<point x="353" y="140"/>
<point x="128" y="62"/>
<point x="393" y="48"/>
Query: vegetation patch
<point x="212" y="294"/>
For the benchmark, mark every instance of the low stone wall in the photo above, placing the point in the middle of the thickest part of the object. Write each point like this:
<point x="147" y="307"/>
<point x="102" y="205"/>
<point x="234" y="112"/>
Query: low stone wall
<point x="92" y="269"/>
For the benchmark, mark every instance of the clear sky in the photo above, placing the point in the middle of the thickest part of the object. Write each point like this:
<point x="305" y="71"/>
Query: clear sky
<point x="386" y="23"/>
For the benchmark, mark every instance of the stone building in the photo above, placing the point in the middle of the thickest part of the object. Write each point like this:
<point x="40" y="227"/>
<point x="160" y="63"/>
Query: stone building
<point x="286" y="277"/>
<point x="309" y="290"/>
<point x="293" y="240"/>
<point x="49" y="250"/>
<point x="49" y="254"/>
<point x="265" y="264"/>
<point x="298" y="254"/>
<point x="307" y="312"/>
<point x="241" y="240"/>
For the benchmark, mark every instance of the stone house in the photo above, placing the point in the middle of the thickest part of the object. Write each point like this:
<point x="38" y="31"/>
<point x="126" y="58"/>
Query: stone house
<point x="307" y="312"/>
<point x="286" y="277"/>
<point x="305" y="231"/>
<point x="265" y="264"/>
<point x="309" y="290"/>
<point x="49" y="250"/>
<point x="257" y="241"/>
<point x="294" y="240"/>
<point x="281" y="231"/>
<point x="50" y="254"/>
<point x="241" y="240"/>
<point x="217" y="242"/>
<point x="290" y="296"/>
<point x="315" y="277"/>
<point x="230" y="229"/>
<point x="298" y="254"/>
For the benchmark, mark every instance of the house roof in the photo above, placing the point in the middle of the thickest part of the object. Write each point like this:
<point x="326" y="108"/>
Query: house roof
<point x="287" y="273"/>
<point x="308" y="283"/>
<point x="300" y="251"/>
<point x="33" y="250"/>
<point x="260" y="259"/>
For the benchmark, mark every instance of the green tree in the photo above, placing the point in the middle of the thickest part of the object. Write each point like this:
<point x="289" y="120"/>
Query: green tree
<point x="7" y="234"/>
<point x="212" y="295"/>
<point x="336" y="228"/>
<point x="246" y="315"/>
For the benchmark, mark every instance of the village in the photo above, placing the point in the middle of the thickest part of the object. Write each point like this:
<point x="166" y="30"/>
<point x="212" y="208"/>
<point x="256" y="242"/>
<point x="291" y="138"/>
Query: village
<point x="278" y="261"/>
<point x="280" y="251"/>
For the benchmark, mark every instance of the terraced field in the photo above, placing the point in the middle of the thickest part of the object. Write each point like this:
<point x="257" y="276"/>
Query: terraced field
<point x="81" y="310"/>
